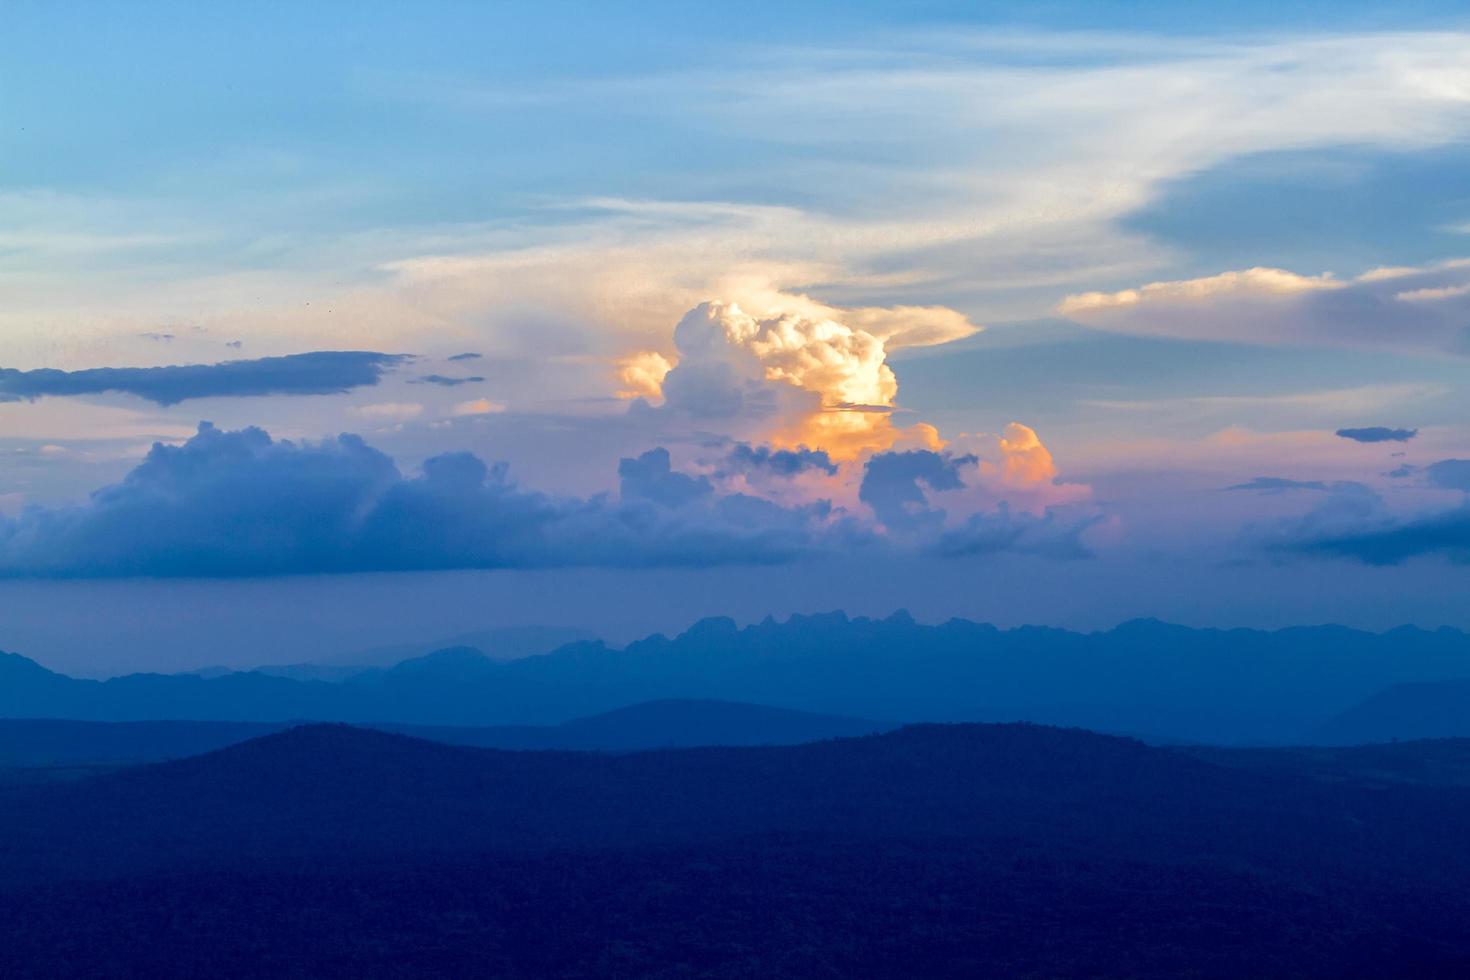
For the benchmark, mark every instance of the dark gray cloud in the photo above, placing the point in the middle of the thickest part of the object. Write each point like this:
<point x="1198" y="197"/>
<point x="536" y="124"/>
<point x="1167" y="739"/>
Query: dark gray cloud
<point x="1355" y="524"/>
<point x="894" y="485"/>
<point x="651" y="476"/>
<point x="466" y="356"/>
<point x="312" y="373"/>
<point x="1057" y="533"/>
<point x="897" y="486"/>
<point x="744" y="458"/>
<point x="1450" y="474"/>
<point x="1277" y="484"/>
<point x="1446" y="535"/>
<point x="1378" y="433"/>
<point x="239" y="503"/>
<point x="448" y="382"/>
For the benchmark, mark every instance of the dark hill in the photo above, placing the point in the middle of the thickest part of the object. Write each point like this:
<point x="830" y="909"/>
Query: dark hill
<point x="341" y="790"/>
<point x="41" y="743"/>
<point x="938" y="851"/>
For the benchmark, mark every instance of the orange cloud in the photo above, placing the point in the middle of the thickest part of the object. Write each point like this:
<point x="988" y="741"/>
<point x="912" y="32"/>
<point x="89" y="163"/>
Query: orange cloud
<point x="641" y="374"/>
<point x="814" y="377"/>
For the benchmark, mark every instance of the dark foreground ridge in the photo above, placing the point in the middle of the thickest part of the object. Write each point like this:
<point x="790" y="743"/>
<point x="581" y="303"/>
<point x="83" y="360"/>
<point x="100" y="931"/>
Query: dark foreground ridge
<point x="962" y="850"/>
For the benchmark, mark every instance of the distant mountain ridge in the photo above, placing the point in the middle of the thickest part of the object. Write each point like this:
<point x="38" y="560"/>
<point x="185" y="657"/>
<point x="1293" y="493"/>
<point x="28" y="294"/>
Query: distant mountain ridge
<point x="1143" y="677"/>
<point x="1402" y="712"/>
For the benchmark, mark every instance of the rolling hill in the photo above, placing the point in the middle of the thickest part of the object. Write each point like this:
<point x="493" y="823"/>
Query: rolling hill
<point x="957" y="850"/>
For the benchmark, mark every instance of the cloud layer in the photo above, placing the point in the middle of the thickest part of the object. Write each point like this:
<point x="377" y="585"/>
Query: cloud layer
<point x="313" y="373"/>
<point x="239" y="503"/>
<point x="236" y="503"/>
<point x="1354" y="523"/>
<point x="1425" y="310"/>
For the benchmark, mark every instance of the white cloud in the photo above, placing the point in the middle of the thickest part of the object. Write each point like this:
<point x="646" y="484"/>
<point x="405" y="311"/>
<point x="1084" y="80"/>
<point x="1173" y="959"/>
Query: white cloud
<point x="392" y="411"/>
<point x="478" y="406"/>
<point x="1423" y="310"/>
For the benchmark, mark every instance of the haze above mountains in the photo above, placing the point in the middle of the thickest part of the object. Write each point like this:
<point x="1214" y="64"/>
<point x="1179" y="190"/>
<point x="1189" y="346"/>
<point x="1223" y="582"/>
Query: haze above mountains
<point x="1309" y="684"/>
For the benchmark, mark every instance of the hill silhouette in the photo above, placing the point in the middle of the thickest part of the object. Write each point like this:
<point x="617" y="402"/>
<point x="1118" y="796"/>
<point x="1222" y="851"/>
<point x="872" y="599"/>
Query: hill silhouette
<point x="1143" y="677"/>
<point x="34" y="743"/>
<point x="955" y="850"/>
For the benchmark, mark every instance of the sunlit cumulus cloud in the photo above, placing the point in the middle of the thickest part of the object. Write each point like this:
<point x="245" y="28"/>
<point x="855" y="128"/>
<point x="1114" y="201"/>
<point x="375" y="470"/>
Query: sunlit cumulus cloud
<point x="1410" y="309"/>
<point x="641" y="374"/>
<point x="800" y="374"/>
<point x="810" y="381"/>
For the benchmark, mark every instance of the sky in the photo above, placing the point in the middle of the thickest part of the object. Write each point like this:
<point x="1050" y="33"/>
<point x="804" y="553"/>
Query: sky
<point x="325" y="326"/>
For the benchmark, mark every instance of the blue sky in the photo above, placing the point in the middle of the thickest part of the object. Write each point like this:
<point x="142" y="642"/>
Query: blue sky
<point x="1045" y="280"/>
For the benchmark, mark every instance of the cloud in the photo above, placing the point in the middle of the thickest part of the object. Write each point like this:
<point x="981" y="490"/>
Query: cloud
<point x="800" y="373"/>
<point x="651" y="477"/>
<point x="388" y="410"/>
<point x="1447" y="474"/>
<point x="1450" y="474"/>
<point x="478" y="406"/>
<point x="902" y="489"/>
<point x="1276" y="484"/>
<point x="448" y="382"/>
<point x="238" y="503"/>
<point x="1056" y="533"/>
<point x="1425" y="310"/>
<point x="1094" y="128"/>
<point x="641" y="374"/>
<point x="1378" y="433"/>
<point x="894" y="486"/>
<point x="467" y="356"/>
<point x="313" y="373"/>
<point x="1353" y="523"/>
<point x="747" y="459"/>
<point x="1445" y="535"/>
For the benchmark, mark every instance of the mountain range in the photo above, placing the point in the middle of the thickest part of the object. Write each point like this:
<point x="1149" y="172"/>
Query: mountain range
<point x="1144" y="677"/>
